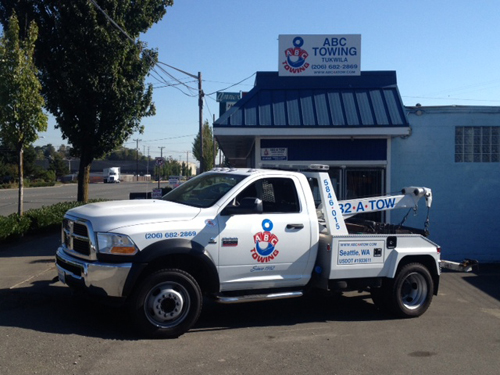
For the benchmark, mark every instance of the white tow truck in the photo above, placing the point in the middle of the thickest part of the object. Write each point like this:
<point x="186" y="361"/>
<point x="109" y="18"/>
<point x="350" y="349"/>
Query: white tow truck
<point x="241" y="235"/>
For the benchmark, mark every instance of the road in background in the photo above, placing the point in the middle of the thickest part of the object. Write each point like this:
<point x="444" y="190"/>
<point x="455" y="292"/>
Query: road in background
<point x="47" y="196"/>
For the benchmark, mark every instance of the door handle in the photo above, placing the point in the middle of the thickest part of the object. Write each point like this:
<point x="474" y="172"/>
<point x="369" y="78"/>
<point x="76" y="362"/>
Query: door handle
<point x="294" y="226"/>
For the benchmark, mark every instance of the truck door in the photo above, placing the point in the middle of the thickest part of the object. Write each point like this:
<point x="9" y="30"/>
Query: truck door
<point x="270" y="249"/>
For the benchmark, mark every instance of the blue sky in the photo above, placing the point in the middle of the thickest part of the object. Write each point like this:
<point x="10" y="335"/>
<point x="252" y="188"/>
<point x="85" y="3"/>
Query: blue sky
<point x="444" y="53"/>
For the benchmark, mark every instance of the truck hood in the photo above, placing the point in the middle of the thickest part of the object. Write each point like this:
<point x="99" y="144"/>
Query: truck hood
<point x="109" y="216"/>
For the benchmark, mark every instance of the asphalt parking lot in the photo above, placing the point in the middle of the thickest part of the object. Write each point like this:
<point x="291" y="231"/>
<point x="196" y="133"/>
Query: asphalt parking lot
<point x="46" y="330"/>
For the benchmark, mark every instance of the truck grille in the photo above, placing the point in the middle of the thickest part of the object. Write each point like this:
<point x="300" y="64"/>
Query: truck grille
<point x="77" y="237"/>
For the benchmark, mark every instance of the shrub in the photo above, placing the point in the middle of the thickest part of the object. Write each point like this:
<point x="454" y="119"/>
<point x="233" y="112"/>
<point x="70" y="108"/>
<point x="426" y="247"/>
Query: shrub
<point x="9" y="185"/>
<point x="13" y="226"/>
<point x="40" y="183"/>
<point x="47" y="218"/>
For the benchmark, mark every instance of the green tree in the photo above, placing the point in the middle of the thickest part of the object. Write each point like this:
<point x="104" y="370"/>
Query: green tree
<point x="64" y="151"/>
<point x="123" y="153"/>
<point x="8" y="164"/>
<point x="48" y="151"/>
<point x="29" y="165"/>
<point x="185" y="170"/>
<point x="93" y="72"/>
<point x="209" y="151"/>
<point x="58" y="165"/>
<point x="170" y="167"/>
<point x="21" y="115"/>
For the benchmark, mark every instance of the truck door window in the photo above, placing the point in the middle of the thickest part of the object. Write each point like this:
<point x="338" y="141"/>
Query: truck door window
<point x="278" y="195"/>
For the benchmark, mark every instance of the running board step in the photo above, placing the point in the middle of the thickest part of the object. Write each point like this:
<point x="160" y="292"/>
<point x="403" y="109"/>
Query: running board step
<point x="257" y="297"/>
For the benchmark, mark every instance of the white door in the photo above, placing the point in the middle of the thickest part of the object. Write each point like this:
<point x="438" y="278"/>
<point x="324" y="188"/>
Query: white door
<point x="265" y="250"/>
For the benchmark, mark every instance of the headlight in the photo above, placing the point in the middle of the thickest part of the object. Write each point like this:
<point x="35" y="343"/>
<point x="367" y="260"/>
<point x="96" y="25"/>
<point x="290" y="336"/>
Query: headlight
<point x="112" y="243"/>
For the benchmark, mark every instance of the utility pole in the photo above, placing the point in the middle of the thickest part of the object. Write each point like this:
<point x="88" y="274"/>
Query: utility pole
<point x="161" y="156"/>
<point x="200" y="109"/>
<point x="214" y="143"/>
<point x="147" y="165"/>
<point x="137" y="158"/>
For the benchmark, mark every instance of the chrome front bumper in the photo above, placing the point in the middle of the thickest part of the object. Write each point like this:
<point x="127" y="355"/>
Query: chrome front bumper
<point x="99" y="278"/>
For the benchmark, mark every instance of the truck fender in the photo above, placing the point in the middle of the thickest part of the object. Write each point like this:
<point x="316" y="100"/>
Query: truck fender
<point x="161" y="253"/>
<point x="401" y="259"/>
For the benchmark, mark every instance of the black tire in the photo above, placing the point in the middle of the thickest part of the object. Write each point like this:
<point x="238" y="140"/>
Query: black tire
<point x="166" y="304"/>
<point x="411" y="291"/>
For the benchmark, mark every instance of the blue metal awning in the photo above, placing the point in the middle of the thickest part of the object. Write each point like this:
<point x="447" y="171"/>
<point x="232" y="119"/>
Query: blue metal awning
<point x="365" y="105"/>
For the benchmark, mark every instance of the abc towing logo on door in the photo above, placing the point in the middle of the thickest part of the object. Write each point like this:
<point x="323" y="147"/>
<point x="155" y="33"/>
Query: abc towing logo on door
<point x="265" y="243"/>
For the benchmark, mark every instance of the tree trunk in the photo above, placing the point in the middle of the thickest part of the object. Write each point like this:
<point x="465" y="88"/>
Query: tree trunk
<point x="21" y="181"/>
<point x="83" y="180"/>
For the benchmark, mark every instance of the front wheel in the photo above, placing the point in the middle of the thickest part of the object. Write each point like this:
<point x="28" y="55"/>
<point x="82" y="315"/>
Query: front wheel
<point x="412" y="291"/>
<point x="166" y="304"/>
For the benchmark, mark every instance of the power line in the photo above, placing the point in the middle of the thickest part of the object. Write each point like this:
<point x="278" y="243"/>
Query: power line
<point x="112" y="21"/>
<point x="448" y="98"/>
<point x="227" y="83"/>
<point x="157" y="63"/>
<point x="243" y="80"/>
<point x="208" y="108"/>
<point x="168" y="138"/>
<point x="177" y="80"/>
<point x="470" y="87"/>
<point x="134" y="42"/>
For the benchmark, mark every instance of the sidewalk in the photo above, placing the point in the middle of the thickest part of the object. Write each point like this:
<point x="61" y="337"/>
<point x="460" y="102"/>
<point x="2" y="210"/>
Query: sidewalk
<point x="27" y="259"/>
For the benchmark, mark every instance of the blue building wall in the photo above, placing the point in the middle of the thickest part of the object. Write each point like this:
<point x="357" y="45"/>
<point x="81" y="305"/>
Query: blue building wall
<point x="464" y="215"/>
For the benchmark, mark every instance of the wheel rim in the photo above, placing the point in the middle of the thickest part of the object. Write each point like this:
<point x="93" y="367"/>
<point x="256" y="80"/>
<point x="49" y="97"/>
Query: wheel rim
<point x="167" y="304"/>
<point x="414" y="291"/>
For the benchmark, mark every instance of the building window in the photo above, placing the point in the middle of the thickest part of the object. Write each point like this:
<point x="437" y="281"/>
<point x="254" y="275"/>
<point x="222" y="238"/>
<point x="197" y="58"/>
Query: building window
<point x="477" y="144"/>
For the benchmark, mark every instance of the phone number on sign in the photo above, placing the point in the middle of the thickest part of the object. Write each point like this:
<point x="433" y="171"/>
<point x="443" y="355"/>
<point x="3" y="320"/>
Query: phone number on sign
<point x="159" y="235"/>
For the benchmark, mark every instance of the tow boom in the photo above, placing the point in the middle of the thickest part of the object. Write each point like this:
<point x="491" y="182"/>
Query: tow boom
<point x="408" y="198"/>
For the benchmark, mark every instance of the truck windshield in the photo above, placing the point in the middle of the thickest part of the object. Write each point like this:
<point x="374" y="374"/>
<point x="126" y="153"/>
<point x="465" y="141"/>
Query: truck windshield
<point x="203" y="191"/>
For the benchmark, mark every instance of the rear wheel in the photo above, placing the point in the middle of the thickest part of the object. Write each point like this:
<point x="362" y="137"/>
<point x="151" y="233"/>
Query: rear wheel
<point x="408" y="295"/>
<point x="412" y="291"/>
<point x="166" y="304"/>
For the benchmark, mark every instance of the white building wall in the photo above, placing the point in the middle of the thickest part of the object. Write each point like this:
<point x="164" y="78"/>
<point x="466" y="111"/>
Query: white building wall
<point x="464" y="218"/>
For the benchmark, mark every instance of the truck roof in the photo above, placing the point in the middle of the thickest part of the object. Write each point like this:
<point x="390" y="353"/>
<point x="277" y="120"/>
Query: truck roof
<point x="249" y="171"/>
<point x="256" y="171"/>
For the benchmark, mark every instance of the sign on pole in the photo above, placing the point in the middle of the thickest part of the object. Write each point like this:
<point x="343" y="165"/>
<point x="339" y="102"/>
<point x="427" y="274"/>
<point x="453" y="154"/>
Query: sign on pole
<point x="157" y="193"/>
<point x="159" y="161"/>
<point x="228" y="96"/>
<point x="227" y="100"/>
<point x="319" y="55"/>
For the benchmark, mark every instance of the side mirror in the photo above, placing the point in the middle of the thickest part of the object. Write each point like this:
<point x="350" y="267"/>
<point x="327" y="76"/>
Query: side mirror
<point x="246" y="206"/>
